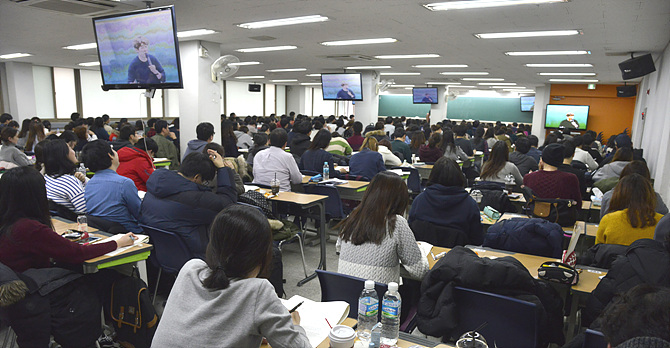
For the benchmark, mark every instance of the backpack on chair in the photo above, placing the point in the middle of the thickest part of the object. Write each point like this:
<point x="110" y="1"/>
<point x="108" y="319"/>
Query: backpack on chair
<point x="134" y="316"/>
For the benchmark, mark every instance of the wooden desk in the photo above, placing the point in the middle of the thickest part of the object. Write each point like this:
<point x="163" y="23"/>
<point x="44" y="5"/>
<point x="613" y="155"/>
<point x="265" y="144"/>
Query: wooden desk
<point x="588" y="205"/>
<point x="424" y="170"/>
<point x="353" y="189"/>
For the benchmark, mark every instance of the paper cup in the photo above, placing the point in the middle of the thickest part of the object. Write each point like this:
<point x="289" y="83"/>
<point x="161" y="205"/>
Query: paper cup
<point x="342" y="336"/>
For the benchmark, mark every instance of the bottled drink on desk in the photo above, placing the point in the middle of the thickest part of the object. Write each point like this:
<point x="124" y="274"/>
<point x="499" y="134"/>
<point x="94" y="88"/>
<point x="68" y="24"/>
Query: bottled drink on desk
<point x="326" y="171"/>
<point x="391" y="314"/>
<point x="509" y="183"/>
<point x="82" y="224"/>
<point x="274" y="185"/>
<point x="368" y="307"/>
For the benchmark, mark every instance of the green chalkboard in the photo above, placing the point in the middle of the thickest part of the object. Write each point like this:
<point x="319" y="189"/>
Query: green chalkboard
<point x="401" y="105"/>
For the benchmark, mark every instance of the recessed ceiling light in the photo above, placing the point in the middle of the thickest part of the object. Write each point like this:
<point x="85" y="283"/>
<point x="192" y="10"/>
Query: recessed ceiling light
<point x="243" y="63"/>
<point x="547" y="53"/>
<point x="482" y="79"/>
<point x="508" y="87"/>
<point x="463" y="73"/>
<point x="89" y="64"/>
<point x="86" y="46"/>
<point x="266" y="49"/>
<point x="196" y="32"/>
<point x="572" y="80"/>
<point x="467" y="4"/>
<point x="401" y="73"/>
<point x="310" y="83"/>
<point x="462" y="86"/>
<point x="408" y="56"/>
<point x="443" y="83"/>
<point x="400" y="86"/>
<point x="566" y="74"/>
<point x="359" y="42"/>
<point x="287" y="70"/>
<point x="497" y="84"/>
<point x="250" y="77"/>
<point x="517" y="34"/>
<point x="313" y="75"/>
<point x="366" y="67"/>
<point x="440" y="66"/>
<point x="283" y="21"/>
<point x="287" y="80"/>
<point x="560" y="65"/>
<point x="15" y="55"/>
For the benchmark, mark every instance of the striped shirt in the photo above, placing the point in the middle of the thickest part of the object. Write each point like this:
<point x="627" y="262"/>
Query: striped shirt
<point x="339" y="146"/>
<point x="68" y="191"/>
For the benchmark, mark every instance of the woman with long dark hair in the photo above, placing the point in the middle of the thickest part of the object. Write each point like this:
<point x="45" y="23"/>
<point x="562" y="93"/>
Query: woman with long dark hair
<point x="377" y="227"/>
<point x="431" y="152"/>
<point x="316" y="155"/>
<point x="223" y="301"/>
<point x="622" y="157"/>
<point x="35" y="135"/>
<point x="551" y="138"/>
<point x="9" y="152"/>
<point x="23" y="133"/>
<point x="632" y="214"/>
<point x="418" y="140"/>
<point x="451" y="150"/>
<point x="64" y="186"/>
<point x="498" y="166"/>
<point x="228" y="139"/>
<point x="478" y="141"/>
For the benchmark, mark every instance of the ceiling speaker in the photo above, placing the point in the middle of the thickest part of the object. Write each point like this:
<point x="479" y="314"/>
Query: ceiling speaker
<point x="637" y="67"/>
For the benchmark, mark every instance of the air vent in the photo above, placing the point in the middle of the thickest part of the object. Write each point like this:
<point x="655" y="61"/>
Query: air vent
<point x="350" y="57"/>
<point x="81" y="8"/>
<point x="263" y="38"/>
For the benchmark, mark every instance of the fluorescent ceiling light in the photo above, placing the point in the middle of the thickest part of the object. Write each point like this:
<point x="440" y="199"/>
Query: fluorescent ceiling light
<point x="90" y="64"/>
<point x="497" y="84"/>
<point x="196" y="32"/>
<point x="462" y="86"/>
<point x="366" y="67"/>
<point x="409" y="87"/>
<point x="266" y="49"/>
<point x="359" y="42"/>
<point x="482" y="79"/>
<point x="310" y="83"/>
<point x="400" y="86"/>
<point x="508" y="87"/>
<point x="467" y="4"/>
<point x="443" y="83"/>
<point x="560" y="65"/>
<point x="573" y="80"/>
<point x="86" y="46"/>
<point x="243" y="63"/>
<point x="517" y="34"/>
<point x="287" y="70"/>
<point x="463" y="73"/>
<point x="566" y="74"/>
<point x="408" y="56"/>
<point x="547" y="53"/>
<point x="15" y="55"/>
<point x="288" y="80"/>
<point x="440" y="66"/>
<point x="519" y="90"/>
<point x="250" y="77"/>
<point x="283" y="21"/>
<point x="401" y="73"/>
<point x="313" y="75"/>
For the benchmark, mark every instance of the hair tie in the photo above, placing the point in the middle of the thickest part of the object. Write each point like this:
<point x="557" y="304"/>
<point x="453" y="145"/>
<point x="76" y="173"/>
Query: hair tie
<point x="219" y="268"/>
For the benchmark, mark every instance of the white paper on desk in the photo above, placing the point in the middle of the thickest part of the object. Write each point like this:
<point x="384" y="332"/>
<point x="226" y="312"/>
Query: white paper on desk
<point x="425" y="248"/>
<point x="396" y="171"/>
<point x="334" y="181"/>
<point x="346" y="168"/>
<point x="250" y="188"/>
<point x="161" y="159"/>
<point x="141" y="238"/>
<point x="313" y="316"/>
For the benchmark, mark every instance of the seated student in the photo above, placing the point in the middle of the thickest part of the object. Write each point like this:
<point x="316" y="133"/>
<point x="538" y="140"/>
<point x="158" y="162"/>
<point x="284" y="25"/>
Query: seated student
<point x="551" y="183"/>
<point x="461" y="140"/>
<point x="228" y="162"/>
<point x="582" y="155"/>
<point x="28" y="241"/>
<point x="534" y="152"/>
<point x="478" y="142"/>
<point x="631" y="214"/>
<point x="244" y="140"/>
<point x="137" y="163"/>
<point x="418" y="140"/>
<point x="228" y="139"/>
<point x="384" y="148"/>
<point x="109" y="195"/>
<point x="520" y="158"/>
<point x="223" y="301"/>
<point x="451" y="150"/>
<point x="69" y="137"/>
<point x="498" y="166"/>
<point x="301" y="140"/>
<point x="314" y="158"/>
<point x="99" y="129"/>
<point x="367" y="162"/>
<point x="639" y="318"/>
<point x="127" y="138"/>
<point x="432" y="152"/>
<point x="568" y="168"/>
<point x="204" y="133"/>
<point x="399" y="145"/>
<point x="82" y="137"/>
<point x="446" y="203"/>
<point x="638" y="167"/>
<point x="274" y="162"/>
<point x="339" y="146"/>
<point x="376" y="228"/>
<point x="64" y="186"/>
<point x="501" y="135"/>
<point x="166" y="147"/>
<point x="356" y="140"/>
<point x="260" y="143"/>
<point x="180" y="201"/>
<point x="9" y="152"/>
<point x="621" y="158"/>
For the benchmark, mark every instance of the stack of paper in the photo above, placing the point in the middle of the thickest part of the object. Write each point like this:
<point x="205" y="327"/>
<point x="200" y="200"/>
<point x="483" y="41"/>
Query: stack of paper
<point x="313" y="316"/>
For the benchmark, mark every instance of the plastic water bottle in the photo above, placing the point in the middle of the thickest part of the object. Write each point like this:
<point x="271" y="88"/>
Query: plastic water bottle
<point x="326" y="171"/>
<point x="368" y="307"/>
<point x="82" y="169"/>
<point x="391" y="315"/>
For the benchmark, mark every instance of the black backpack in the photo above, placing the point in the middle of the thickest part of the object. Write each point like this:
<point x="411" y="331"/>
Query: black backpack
<point x="493" y="196"/>
<point x="134" y="316"/>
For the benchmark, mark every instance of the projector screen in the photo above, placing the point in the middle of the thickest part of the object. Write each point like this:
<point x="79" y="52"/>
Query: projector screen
<point x="341" y="86"/>
<point x="567" y="116"/>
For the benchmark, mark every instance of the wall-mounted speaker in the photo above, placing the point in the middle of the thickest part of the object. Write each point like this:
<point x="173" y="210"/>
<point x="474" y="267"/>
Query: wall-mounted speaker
<point x="626" y="91"/>
<point x="254" y="87"/>
<point x="637" y="67"/>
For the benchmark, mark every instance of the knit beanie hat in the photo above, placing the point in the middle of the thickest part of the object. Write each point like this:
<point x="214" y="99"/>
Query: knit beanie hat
<point x="553" y="154"/>
<point x="623" y="140"/>
<point x="645" y="342"/>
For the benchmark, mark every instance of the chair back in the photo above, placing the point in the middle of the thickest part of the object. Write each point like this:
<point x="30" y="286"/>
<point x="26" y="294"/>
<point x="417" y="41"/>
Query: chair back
<point x="414" y="179"/>
<point x="252" y="206"/>
<point x="169" y="249"/>
<point x="105" y="225"/>
<point x="333" y="203"/>
<point x="594" y="339"/>
<point x="511" y="323"/>
<point x="438" y="235"/>
<point x="309" y="172"/>
<point x="261" y="185"/>
<point x="59" y="210"/>
<point x="342" y="287"/>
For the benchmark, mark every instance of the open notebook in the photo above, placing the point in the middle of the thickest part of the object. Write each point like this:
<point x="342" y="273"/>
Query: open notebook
<point x="141" y="238"/>
<point x="313" y="316"/>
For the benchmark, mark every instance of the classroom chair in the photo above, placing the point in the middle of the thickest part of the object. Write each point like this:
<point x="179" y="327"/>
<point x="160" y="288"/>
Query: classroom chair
<point x="309" y="173"/>
<point x="594" y="339"/>
<point x="511" y="323"/>
<point x="341" y="287"/>
<point x="438" y="235"/>
<point x="58" y="210"/>
<point x="413" y="181"/>
<point x="105" y="225"/>
<point x="170" y="252"/>
<point x="333" y="204"/>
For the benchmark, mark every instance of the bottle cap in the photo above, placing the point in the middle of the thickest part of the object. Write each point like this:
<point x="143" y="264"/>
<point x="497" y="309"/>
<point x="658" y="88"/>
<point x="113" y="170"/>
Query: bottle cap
<point x="369" y="284"/>
<point x="393" y="286"/>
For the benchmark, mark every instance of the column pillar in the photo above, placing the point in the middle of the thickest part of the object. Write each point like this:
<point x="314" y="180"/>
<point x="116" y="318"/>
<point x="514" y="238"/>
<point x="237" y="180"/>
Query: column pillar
<point x="438" y="112"/>
<point x="542" y="95"/>
<point x="20" y="101"/>
<point x="367" y="110"/>
<point x="297" y="100"/>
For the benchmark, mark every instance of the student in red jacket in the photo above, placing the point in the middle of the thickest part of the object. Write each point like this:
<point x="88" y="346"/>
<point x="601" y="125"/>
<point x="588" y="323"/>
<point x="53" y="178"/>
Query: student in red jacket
<point x="136" y="163"/>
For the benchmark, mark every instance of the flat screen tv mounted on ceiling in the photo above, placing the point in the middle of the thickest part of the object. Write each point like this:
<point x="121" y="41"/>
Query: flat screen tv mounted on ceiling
<point x="342" y="86"/>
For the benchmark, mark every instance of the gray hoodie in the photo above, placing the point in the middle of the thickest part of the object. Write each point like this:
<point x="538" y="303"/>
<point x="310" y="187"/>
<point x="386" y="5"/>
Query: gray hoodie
<point x="610" y="170"/>
<point x="195" y="145"/>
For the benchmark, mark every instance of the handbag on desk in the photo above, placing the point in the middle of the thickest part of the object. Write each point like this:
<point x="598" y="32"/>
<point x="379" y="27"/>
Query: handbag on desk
<point x="560" y="211"/>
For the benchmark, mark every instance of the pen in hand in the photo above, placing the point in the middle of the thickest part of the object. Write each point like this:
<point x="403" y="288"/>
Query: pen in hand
<point x="296" y="307"/>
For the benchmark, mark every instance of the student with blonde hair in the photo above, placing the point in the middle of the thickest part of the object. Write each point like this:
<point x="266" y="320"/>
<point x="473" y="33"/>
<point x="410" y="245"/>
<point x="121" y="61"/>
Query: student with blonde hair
<point x="368" y="162"/>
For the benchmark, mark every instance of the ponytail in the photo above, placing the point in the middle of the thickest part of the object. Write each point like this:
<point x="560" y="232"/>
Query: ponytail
<point x="217" y="279"/>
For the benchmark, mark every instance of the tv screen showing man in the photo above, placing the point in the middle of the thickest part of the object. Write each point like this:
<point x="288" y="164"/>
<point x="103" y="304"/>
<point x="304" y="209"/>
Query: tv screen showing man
<point x="424" y="95"/>
<point x="144" y="68"/>
<point x="345" y="93"/>
<point x="567" y="116"/>
<point x="569" y="122"/>
<point x="341" y="86"/>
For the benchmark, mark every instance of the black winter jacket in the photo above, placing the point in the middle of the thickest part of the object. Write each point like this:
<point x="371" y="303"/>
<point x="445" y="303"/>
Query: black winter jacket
<point x="529" y="236"/>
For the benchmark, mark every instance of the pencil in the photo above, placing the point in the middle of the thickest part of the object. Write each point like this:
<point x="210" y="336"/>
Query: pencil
<point x="296" y="307"/>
